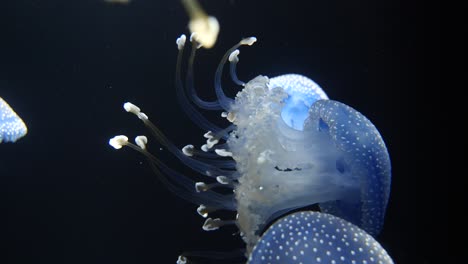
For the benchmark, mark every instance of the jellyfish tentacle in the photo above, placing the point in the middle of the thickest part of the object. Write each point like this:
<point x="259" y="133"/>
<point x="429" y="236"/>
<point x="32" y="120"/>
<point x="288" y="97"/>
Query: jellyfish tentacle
<point x="211" y="198"/>
<point x="203" y="187"/>
<point x="201" y="167"/>
<point x="191" y="151"/>
<point x="224" y="164"/>
<point x="225" y="101"/>
<point x="208" y="157"/>
<point x="234" y="59"/>
<point x="190" y="86"/>
<point x="214" y="224"/>
<point x="191" y="111"/>
<point x="213" y="138"/>
<point x="175" y="181"/>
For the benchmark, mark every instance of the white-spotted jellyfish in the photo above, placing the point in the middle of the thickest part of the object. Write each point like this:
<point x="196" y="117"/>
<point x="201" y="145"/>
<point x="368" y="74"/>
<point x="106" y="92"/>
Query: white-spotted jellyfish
<point x="12" y="126"/>
<point x="313" y="237"/>
<point x="287" y="146"/>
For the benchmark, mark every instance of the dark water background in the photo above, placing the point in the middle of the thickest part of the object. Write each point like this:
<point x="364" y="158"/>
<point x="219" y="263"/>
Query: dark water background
<point x="68" y="66"/>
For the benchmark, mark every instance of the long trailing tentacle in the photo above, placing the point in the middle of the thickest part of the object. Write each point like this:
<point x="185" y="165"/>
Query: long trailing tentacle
<point x="189" y="82"/>
<point x="225" y="101"/>
<point x="188" y="108"/>
<point x="175" y="181"/>
<point x="199" y="166"/>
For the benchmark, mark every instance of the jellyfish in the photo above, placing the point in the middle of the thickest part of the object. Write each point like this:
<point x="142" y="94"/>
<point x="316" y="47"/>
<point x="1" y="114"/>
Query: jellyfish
<point x="206" y="27"/>
<point x="12" y="127"/>
<point x="314" y="237"/>
<point x="286" y="146"/>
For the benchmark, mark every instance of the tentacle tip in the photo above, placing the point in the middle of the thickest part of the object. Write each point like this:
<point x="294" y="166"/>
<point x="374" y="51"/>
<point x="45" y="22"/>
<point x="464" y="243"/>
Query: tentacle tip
<point x="205" y="148"/>
<point x="181" y="41"/>
<point x="231" y="117"/>
<point x="142" y="116"/>
<point x="223" y="179"/>
<point x="233" y="57"/>
<point x="131" y="108"/>
<point x="141" y="141"/>
<point x="182" y="260"/>
<point x="211" y="142"/>
<point x="223" y="153"/>
<point x="201" y="186"/>
<point x="248" y="41"/>
<point x="209" y="134"/>
<point x="212" y="224"/>
<point x="188" y="150"/>
<point x="202" y="210"/>
<point x="194" y="39"/>
<point x="118" y="142"/>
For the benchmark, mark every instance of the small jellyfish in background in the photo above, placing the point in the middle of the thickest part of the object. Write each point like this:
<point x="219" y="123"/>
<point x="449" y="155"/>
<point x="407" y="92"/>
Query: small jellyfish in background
<point x="12" y="127"/>
<point x="206" y="27"/>
<point x="287" y="146"/>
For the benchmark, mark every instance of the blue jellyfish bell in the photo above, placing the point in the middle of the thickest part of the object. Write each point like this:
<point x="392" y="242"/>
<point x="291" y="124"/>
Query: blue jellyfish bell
<point x="313" y="237"/>
<point x="12" y="127"/>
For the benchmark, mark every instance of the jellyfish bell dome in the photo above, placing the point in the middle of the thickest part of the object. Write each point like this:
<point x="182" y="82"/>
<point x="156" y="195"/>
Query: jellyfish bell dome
<point x="314" y="237"/>
<point x="363" y="156"/>
<point x="12" y="126"/>
<point x="302" y="93"/>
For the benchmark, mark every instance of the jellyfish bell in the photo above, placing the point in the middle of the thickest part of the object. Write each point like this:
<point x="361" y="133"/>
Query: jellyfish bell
<point x="363" y="157"/>
<point x="287" y="146"/>
<point x="12" y="126"/>
<point x="314" y="237"/>
<point x="302" y="93"/>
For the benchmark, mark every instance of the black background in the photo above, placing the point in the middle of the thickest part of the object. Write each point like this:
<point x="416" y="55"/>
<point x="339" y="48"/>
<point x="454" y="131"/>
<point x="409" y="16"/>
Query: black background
<point x="68" y="66"/>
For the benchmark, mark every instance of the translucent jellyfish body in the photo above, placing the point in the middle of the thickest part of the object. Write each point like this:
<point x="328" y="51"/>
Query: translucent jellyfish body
<point x="338" y="160"/>
<point x="288" y="146"/>
<point x="12" y="127"/>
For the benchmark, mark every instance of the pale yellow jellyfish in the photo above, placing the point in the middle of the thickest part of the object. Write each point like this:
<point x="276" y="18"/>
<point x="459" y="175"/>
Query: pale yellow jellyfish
<point x="206" y="27"/>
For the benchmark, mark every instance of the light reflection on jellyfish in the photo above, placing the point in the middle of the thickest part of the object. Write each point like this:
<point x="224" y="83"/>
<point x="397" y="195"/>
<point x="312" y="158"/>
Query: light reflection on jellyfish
<point x="288" y="146"/>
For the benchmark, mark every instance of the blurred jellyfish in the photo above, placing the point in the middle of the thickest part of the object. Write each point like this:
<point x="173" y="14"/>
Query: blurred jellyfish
<point x="12" y="127"/>
<point x="206" y="27"/>
<point x="288" y="146"/>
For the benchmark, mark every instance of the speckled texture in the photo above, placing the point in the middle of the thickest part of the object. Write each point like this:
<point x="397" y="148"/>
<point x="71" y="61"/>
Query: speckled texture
<point x="313" y="237"/>
<point x="11" y="126"/>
